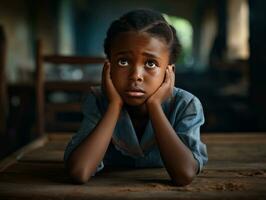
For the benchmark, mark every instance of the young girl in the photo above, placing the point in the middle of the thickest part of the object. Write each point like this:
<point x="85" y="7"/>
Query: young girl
<point x="138" y="118"/>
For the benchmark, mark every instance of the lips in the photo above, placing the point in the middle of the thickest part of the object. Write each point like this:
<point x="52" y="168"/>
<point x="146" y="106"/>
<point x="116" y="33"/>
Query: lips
<point x="135" y="92"/>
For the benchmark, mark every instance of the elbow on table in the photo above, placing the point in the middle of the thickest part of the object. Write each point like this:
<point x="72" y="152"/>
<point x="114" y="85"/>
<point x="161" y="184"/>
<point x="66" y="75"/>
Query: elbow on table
<point x="79" y="176"/>
<point x="183" y="180"/>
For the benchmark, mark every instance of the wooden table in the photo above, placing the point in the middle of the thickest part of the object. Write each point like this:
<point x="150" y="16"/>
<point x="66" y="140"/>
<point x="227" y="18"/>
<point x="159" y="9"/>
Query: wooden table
<point x="236" y="169"/>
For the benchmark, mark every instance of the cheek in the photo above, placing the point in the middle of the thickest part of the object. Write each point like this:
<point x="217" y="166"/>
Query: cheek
<point x="159" y="76"/>
<point x="117" y="78"/>
<point x="156" y="79"/>
<point x="162" y="75"/>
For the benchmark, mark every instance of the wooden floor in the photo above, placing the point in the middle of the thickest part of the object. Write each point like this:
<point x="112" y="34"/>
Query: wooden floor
<point x="236" y="169"/>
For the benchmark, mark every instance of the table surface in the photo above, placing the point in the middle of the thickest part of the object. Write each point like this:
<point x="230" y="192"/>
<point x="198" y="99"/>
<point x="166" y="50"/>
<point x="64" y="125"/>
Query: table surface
<point x="236" y="169"/>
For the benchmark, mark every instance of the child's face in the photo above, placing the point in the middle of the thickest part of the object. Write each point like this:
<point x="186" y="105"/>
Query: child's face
<point x="138" y="65"/>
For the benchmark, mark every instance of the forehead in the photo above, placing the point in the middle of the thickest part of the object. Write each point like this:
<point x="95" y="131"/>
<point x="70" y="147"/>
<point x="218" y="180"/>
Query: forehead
<point x="139" y="42"/>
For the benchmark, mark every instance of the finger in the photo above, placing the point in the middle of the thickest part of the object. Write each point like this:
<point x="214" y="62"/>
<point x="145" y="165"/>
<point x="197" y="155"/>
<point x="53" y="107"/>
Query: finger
<point x="165" y="84"/>
<point x="167" y="76"/>
<point x="105" y="74"/>
<point x="108" y="73"/>
<point x="173" y="68"/>
<point x="173" y="79"/>
<point x="172" y="76"/>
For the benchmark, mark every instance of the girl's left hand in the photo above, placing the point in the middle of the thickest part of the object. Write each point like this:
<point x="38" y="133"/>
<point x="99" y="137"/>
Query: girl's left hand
<point x="166" y="89"/>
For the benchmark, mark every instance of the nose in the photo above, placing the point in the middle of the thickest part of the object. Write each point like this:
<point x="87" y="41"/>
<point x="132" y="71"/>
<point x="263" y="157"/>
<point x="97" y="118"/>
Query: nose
<point x="136" y="74"/>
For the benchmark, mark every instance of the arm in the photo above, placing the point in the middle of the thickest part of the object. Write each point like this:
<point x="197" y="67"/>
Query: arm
<point x="177" y="157"/>
<point x="85" y="158"/>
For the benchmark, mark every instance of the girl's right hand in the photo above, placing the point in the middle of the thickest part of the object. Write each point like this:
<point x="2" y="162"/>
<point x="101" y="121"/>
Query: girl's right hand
<point x="108" y="86"/>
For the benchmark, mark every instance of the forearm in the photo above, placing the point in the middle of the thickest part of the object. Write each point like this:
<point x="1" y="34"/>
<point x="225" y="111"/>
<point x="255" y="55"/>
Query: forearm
<point x="178" y="159"/>
<point x="86" y="157"/>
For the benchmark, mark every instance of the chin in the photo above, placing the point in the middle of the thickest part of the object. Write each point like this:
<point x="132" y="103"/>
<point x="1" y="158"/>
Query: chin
<point x="134" y="101"/>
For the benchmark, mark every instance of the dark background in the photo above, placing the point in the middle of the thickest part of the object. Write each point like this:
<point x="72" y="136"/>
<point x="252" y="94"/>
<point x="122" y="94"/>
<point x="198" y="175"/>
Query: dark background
<point x="230" y="84"/>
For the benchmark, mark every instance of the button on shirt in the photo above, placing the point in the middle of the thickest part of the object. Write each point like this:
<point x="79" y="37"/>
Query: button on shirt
<point x="183" y="110"/>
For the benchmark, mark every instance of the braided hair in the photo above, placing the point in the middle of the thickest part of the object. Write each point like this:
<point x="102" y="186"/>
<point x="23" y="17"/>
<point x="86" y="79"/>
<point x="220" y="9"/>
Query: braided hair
<point x="144" y="20"/>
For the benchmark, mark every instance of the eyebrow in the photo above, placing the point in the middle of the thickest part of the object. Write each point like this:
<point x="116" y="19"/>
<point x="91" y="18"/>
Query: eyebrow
<point x="122" y="52"/>
<point x="151" y="55"/>
<point x="148" y="54"/>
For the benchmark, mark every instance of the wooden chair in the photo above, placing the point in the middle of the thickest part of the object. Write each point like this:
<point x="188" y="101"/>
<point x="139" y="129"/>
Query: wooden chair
<point x="47" y="113"/>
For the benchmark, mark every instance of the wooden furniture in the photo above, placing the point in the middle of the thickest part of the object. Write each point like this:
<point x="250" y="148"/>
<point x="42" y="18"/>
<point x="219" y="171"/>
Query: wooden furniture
<point x="43" y="86"/>
<point x="236" y="170"/>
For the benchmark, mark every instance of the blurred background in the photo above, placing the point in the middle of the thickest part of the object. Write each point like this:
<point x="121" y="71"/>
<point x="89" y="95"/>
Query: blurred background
<point x="223" y="61"/>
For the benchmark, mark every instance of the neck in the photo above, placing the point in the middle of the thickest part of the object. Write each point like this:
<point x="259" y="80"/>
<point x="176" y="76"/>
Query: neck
<point x="137" y="111"/>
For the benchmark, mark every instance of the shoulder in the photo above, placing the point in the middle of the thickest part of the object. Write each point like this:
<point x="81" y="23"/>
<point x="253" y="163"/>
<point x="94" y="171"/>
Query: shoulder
<point x="96" y="91"/>
<point x="181" y="94"/>
<point x="94" y="98"/>
<point x="182" y="103"/>
<point x="183" y="98"/>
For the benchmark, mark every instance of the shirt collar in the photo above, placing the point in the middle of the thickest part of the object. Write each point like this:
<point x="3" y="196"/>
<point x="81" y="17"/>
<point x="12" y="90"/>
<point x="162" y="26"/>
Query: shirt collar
<point x="125" y="138"/>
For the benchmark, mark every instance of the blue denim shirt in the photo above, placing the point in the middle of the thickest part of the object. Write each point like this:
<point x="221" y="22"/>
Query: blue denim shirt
<point x="183" y="110"/>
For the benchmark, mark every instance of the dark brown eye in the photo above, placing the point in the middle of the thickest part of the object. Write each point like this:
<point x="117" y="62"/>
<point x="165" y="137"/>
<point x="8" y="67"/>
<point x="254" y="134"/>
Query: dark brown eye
<point x="150" y="64"/>
<point x="123" y="62"/>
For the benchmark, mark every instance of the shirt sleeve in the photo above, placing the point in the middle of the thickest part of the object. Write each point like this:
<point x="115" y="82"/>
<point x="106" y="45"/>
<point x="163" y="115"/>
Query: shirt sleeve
<point x="91" y="116"/>
<point x="187" y="128"/>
